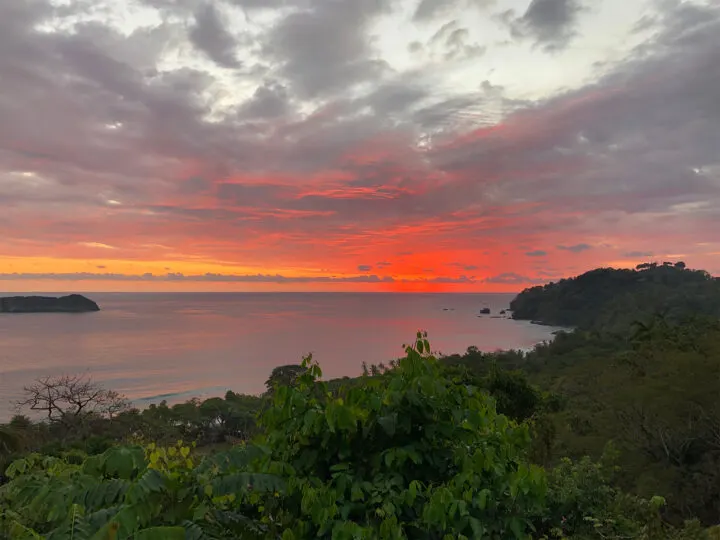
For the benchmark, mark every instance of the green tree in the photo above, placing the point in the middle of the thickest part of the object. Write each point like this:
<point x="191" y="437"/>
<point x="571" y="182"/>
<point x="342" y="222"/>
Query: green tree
<point x="283" y="376"/>
<point x="412" y="454"/>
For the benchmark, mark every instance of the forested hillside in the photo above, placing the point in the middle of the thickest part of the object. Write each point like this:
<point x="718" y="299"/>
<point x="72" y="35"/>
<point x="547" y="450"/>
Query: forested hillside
<point x="649" y="398"/>
<point x="610" y="299"/>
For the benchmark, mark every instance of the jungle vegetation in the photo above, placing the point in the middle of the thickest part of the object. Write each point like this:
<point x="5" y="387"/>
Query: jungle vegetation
<point x="607" y="432"/>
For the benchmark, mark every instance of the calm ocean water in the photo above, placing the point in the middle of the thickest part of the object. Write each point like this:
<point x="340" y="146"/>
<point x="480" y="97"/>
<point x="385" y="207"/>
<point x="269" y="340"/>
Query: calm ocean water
<point x="176" y="346"/>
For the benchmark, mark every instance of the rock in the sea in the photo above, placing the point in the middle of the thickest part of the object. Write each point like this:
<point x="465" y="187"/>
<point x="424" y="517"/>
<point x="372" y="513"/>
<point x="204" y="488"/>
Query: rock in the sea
<point x="73" y="303"/>
<point x="485" y="311"/>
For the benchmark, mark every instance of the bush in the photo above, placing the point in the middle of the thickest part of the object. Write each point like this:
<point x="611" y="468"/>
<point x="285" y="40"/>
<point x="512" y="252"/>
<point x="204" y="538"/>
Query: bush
<point x="412" y="454"/>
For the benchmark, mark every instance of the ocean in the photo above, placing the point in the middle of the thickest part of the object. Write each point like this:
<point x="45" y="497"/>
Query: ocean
<point x="155" y="346"/>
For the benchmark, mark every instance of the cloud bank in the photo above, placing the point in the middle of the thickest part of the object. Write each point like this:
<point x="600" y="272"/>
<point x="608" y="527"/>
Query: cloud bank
<point x="297" y="138"/>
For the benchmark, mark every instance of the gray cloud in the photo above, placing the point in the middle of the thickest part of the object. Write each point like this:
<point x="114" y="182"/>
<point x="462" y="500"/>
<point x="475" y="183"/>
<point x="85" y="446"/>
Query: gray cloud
<point x="364" y="268"/>
<point x="428" y="10"/>
<point x="397" y="97"/>
<point x="117" y="145"/>
<point x="511" y="278"/>
<point x="550" y="23"/>
<point x="325" y="49"/>
<point x="210" y="36"/>
<point x="577" y="248"/>
<point x="466" y="267"/>
<point x="253" y="5"/>
<point x="270" y="100"/>
<point x="616" y="136"/>
<point x="634" y="254"/>
<point x="444" y="279"/>
<point x="453" y="42"/>
<point x="173" y="5"/>
<point x="536" y="253"/>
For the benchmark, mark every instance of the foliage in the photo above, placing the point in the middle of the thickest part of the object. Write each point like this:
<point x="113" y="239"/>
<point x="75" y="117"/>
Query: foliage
<point x="653" y="391"/>
<point x="283" y="376"/>
<point x="656" y="394"/>
<point x="212" y="422"/>
<point x="412" y="454"/>
<point x="131" y="492"/>
<point x="583" y="504"/>
<point x="611" y="299"/>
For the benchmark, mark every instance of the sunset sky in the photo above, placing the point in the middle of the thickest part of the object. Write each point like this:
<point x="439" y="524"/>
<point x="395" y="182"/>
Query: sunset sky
<point x="374" y="145"/>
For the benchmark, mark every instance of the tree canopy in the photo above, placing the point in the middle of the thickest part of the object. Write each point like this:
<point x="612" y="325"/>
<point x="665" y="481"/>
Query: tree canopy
<point x="612" y="299"/>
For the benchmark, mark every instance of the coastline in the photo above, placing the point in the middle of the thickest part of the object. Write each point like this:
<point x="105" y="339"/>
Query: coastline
<point x="152" y="347"/>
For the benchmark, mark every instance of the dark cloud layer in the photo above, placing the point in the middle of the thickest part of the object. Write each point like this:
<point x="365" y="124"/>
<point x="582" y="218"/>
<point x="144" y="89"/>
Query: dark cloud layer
<point x="325" y="49"/>
<point x="431" y="10"/>
<point x="511" y="278"/>
<point x="577" y="248"/>
<point x="549" y="23"/>
<point x="210" y="36"/>
<point x="635" y="254"/>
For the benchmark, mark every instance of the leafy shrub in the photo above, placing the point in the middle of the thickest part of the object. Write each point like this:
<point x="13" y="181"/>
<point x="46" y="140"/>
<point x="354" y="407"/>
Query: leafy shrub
<point x="131" y="492"/>
<point x="413" y="454"/>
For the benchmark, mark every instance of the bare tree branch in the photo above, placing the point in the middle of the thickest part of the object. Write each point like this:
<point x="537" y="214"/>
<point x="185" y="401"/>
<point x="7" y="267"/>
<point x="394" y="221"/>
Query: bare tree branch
<point x="66" y="398"/>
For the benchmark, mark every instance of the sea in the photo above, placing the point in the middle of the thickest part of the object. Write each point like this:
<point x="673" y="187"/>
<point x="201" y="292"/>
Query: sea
<point x="176" y="346"/>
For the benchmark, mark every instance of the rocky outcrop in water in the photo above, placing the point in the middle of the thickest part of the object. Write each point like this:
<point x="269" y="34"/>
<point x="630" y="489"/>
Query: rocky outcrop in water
<point x="73" y="303"/>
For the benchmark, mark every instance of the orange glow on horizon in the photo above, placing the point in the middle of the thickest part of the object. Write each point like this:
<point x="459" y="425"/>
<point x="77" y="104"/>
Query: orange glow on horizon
<point x="407" y="275"/>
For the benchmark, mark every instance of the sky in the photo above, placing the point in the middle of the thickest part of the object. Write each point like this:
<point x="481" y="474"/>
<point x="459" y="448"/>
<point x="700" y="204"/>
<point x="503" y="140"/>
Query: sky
<point x="364" y="145"/>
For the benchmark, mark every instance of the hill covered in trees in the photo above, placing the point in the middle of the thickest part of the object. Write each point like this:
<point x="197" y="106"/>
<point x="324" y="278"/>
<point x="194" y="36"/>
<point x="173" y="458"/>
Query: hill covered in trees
<point x="649" y="398"/>
<point x="612" y="299"/>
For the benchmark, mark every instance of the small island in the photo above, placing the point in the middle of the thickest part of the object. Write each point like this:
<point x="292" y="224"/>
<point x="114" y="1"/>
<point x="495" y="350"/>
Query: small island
<point x="73" y="303"/>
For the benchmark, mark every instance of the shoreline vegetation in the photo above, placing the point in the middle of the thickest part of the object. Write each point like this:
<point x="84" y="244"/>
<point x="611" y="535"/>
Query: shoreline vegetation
<point x="609" y="431"/>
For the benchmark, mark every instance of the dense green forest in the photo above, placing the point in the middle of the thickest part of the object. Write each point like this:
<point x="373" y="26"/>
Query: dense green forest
<point x="611" y="300"/>
<point x="607" y="432"/>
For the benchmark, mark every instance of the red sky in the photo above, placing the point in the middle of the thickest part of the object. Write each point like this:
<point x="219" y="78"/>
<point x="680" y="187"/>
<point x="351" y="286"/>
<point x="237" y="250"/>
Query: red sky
<point x="348" y="145"/>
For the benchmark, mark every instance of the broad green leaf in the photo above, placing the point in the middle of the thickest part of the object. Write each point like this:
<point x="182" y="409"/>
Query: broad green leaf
<point x="482" y="498"/>
<point x="477" y="528"/>
<point x="161" y="533"/>
<point x="388" y="423"/>
<point x="108" y="532"/>
<point x="517" y="527"/>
